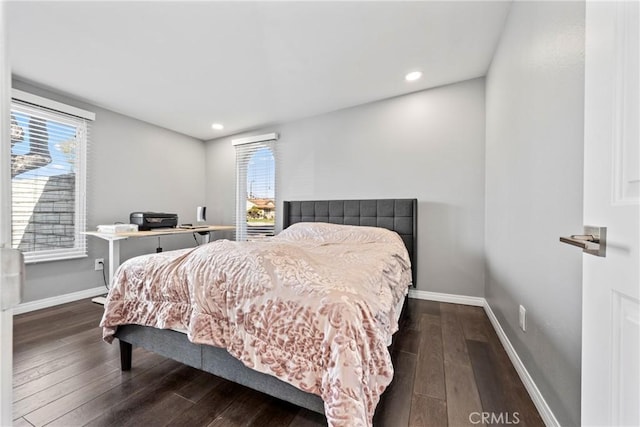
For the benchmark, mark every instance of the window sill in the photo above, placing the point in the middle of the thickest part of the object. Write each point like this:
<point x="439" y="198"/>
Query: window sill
<point x="38" y="258"/>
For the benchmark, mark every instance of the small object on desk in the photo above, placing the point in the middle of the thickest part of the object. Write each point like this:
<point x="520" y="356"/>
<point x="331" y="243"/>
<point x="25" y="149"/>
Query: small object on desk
<point x="151" y="220"/>
<point x="201" y="213"/>
<point x="191" y="226"/>
<point x="117" y="228"/>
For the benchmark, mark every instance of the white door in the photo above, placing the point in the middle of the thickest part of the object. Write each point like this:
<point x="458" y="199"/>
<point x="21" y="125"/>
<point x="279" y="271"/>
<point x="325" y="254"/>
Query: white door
<point x="611" y="285"/>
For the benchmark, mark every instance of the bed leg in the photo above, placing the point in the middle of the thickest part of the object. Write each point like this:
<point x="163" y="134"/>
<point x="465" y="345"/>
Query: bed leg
<point x="126" y="351"/>
<point x="405" y="314"/>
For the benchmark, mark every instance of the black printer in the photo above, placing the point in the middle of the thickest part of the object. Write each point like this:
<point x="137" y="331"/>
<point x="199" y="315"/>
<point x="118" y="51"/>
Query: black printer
<point x="150" y="220"/>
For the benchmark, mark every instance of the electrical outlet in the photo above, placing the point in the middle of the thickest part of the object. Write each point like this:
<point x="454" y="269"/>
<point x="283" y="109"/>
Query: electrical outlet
<point x="99" y="264"/>
<point x="522" y="318"/>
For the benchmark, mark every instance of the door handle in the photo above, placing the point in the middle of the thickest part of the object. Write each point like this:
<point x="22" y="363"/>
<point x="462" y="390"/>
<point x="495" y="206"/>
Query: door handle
<point x="592" y="242"/>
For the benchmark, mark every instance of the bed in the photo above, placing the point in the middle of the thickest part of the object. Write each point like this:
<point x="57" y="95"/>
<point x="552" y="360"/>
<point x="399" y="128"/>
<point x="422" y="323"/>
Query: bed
<point x="261" y="372"/>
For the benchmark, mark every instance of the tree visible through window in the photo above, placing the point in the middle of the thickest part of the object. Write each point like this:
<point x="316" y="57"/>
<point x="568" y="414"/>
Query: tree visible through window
<point x="48" y="180"/>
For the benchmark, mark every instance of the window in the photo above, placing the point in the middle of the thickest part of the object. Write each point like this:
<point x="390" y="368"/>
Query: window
<point x="48" y="175"/>
<point x="255" y="186"/>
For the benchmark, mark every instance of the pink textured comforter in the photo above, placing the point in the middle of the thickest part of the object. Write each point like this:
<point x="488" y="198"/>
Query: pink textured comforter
<point x="314" y="306"/>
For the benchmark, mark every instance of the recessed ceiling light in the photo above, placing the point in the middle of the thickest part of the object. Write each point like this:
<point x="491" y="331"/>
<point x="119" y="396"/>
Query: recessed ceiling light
<point x="414" y="75"/>
<point x="217" y="126"/>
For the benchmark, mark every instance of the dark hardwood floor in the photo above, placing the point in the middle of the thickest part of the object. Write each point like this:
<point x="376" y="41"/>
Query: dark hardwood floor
<point x="449" y="366"/>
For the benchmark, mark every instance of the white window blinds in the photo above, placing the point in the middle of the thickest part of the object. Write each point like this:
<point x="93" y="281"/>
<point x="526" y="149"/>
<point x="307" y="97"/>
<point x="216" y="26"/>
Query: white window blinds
<point x="256" y="163"/>
<point x="48" y="177"/>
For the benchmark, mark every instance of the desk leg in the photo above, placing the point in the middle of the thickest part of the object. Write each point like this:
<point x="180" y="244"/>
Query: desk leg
<point x="114" y="259"/>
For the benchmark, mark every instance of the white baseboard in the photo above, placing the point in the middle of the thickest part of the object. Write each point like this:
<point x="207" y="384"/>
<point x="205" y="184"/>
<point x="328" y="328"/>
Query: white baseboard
<point x="62" y="299"/>
<point x="537" y="398"/>
<point x="543" y="408"/>
<point x="450" y="298"/>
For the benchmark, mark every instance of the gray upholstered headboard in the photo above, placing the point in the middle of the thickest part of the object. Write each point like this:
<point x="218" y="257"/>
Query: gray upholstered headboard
<point x="399" y="215"/>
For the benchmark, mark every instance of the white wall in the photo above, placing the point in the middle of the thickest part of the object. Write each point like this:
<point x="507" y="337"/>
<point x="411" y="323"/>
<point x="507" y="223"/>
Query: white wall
<point x="427" y="145"/>
<point x="132" y="166"/>
<point x="534" y="152"/>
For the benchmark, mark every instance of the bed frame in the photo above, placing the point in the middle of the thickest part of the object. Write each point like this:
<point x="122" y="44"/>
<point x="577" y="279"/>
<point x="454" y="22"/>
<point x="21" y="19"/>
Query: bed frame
<point x="399" y="215"/>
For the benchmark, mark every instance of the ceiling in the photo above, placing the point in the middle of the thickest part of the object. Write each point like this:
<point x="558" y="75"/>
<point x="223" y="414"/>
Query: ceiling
<point x="185" y="65"/>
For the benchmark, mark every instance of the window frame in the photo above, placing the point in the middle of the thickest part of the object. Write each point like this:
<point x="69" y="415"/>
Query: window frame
<point x="253" y="143"/>
<point x="81" y="120"/>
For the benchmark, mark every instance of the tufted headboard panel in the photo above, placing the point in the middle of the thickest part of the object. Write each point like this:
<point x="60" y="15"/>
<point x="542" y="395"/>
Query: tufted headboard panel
<point x="399" y="215"/>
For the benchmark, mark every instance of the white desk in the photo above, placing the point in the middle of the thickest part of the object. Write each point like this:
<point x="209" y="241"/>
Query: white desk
<point x="115" y="238"/>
